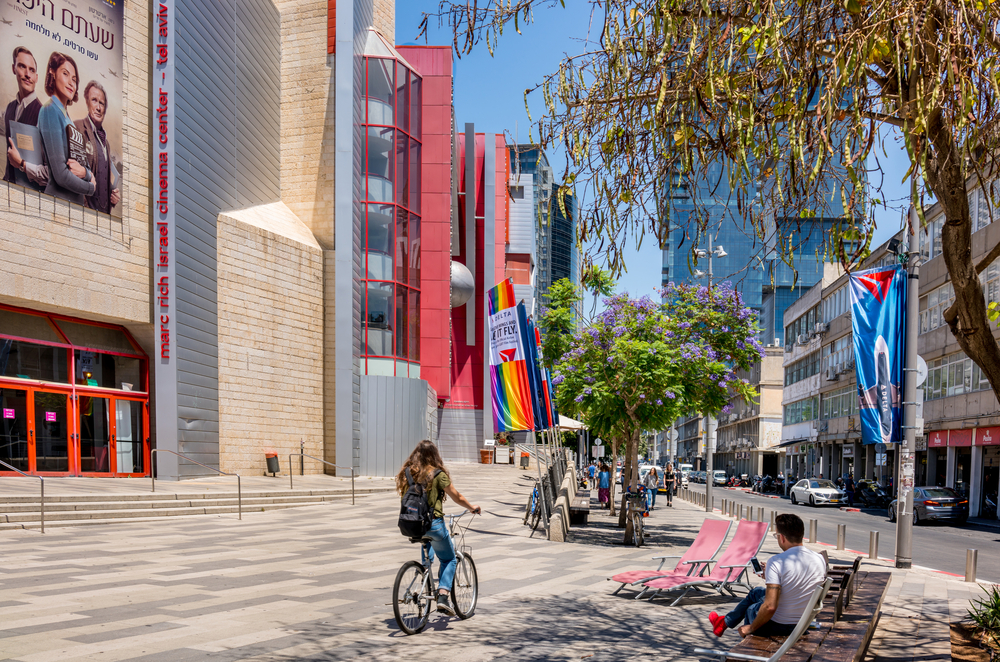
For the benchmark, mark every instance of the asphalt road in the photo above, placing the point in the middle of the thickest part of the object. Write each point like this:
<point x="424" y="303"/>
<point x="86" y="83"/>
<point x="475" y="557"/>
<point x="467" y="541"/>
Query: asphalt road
<point x="938" y="546"/>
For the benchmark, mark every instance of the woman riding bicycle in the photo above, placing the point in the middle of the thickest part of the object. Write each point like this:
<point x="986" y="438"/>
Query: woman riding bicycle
<point x="427" y="468"/>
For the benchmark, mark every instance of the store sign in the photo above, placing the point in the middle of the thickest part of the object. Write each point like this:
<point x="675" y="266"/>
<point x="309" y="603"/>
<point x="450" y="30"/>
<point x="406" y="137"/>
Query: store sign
<point x="8" y="413"/>
<point x="938" y="439"/>
<point x="988" y="436"/>
<point x="163" y="183"/>
<point x="849" y="451"/>
<point x="50" y="417"/>
<point x="82" y="37"/>
<point x="960" y="438"/>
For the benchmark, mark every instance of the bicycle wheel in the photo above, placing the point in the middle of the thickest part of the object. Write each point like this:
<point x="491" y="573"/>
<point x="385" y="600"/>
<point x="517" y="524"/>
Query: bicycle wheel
<point x="637" y="535"/>
<point x="410" y="604"/>
<point x="465" y="589"/>
<point x="529" y="510"/>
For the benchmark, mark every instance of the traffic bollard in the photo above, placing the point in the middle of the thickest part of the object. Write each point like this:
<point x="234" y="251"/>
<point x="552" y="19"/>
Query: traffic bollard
<point x="773" y="515"/>
<point x="971" y="558"/>
<point x="812" y="530"/>
<point x="760" y="513"/>
<point x="725" y="503"/>
<point x="873" y="545"/>
<point x="739" y="512"/>
<point x="841" y="536"/>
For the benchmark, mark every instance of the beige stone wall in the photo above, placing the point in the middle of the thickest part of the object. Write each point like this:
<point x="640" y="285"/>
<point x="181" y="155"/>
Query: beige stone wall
<point x="59" y="257"/>
<point x="385" y="19"/>
<point x="307" y="129"/>
<point x="270" y="288"/>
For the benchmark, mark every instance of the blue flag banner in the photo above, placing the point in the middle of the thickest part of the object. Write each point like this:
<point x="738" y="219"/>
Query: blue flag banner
<point x="878" y="304"/>
<point x="534" y="375"/>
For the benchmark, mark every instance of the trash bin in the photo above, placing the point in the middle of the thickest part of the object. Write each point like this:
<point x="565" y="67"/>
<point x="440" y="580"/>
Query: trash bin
<point x="272" y="463"/>
<point x="486" y="455"/>
<point x="524" y="460"/>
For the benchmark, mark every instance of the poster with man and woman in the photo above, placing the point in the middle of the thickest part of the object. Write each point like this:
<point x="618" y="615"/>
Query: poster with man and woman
<point x="62" y="99"/>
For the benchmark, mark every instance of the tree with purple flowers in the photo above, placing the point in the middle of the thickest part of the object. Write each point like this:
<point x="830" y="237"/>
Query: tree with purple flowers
<point x="640" y="364"/>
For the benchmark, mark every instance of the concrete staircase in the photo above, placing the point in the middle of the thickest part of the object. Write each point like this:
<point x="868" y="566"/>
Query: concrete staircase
<point x="22" y="512"/>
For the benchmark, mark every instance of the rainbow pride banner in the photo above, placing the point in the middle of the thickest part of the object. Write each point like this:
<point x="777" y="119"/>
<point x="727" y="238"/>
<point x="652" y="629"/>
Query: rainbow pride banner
<point x="511" y="390"/>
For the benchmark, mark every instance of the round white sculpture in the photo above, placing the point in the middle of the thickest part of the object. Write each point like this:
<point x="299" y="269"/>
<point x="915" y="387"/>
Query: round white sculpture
<point x="463" y="284"/>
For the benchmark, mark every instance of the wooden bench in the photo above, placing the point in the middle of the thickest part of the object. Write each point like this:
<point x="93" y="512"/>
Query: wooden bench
<point x="579" y="508"/>
<point x="847" y="623"/>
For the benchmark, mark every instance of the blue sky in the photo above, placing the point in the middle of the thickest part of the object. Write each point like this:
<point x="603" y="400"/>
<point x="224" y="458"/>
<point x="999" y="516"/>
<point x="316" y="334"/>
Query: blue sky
<point x="489" y="91"/>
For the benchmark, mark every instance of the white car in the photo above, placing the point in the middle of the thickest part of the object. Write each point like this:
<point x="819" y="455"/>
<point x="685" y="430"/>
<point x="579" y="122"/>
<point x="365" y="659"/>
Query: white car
<point x="817" y="492"/>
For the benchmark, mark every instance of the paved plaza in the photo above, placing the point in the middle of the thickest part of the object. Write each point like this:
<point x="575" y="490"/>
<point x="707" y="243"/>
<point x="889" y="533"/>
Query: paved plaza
<point x="314" y="583"/>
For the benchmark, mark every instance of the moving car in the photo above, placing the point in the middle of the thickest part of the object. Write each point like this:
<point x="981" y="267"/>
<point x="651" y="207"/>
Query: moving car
<point x="935" y="503"/>
<point x="817" y="492"/>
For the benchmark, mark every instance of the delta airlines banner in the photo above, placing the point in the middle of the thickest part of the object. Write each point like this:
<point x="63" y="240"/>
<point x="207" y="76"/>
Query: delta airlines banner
<point x="511" y="390"/>
<point x="878" y="304"/>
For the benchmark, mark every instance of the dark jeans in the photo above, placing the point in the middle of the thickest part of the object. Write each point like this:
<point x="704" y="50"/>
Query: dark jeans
<point x="747" y="610"/>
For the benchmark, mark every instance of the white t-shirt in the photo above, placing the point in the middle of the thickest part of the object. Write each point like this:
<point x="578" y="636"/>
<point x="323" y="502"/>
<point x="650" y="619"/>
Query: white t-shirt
<point x="651" y="481"/>
<point x="798" y="571"/>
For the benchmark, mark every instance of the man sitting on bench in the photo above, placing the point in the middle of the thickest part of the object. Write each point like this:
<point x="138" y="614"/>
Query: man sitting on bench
<point x="790" y="579"/>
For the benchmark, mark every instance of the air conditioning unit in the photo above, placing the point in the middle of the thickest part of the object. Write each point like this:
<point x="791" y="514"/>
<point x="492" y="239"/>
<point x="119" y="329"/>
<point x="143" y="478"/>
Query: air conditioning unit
<point x="788" y="348"/>
<point x="841" y="368"/>
<point x="850" y="364"/>
<point x="831" y="375"/>
<point x="802" y="339"/>
<point x="821" y="327"/>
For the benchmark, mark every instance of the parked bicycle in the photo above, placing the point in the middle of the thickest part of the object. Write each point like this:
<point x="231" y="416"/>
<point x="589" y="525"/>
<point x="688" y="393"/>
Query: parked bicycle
<point x="533" y="511"/>
<point x="415" y="591"/>
<point x="635" y="506"/>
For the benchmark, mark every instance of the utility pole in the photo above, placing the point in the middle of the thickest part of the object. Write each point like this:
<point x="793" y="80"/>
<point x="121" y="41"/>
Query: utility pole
<point x="904" y="518"/>
<point x="710" y="423"/>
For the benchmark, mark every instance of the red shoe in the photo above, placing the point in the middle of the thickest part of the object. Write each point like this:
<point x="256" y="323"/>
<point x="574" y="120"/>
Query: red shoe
<point x="718" y="623"/>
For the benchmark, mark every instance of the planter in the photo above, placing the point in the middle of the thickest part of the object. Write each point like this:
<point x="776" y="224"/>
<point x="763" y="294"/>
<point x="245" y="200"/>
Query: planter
<point x="485" y="456"/>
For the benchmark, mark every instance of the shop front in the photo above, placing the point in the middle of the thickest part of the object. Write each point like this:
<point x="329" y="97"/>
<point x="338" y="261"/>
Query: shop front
<point x="73" y="397"/>
<point x="961" y="442"/>
<point x="988" y="443"/>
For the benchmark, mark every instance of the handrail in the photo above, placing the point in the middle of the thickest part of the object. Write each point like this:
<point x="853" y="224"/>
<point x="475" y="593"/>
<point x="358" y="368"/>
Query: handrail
<point x="335" y="466"/>
<point x="152" y="474"/>
<point x="41" y="482"/>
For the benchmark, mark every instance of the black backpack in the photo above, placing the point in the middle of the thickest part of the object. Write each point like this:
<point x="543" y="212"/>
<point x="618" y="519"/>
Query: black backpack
<point x="415" y="514"/>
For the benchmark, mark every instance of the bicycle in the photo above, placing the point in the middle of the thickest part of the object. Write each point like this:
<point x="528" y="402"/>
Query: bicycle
<point x="415" y="591"/>
<point x="635" y="505"/>
<point x="533" y="511"/>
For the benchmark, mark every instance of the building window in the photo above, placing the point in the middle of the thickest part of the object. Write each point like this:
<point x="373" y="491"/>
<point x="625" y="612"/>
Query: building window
<point x="842" y="402"/>
<point x="802" y="411"/>
<point x="933" y="305"/>
<point x="836" y="304"/>
<point x="517" y="192"/>
<point x="391" y="219"/>
<point x="838" y="353"/>
<point x="953" y="375"/>
<point x="802" y="369"/>
<point x="804" y="325"/>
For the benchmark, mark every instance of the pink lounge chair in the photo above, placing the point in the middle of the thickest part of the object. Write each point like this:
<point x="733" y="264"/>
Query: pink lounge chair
<point x="706" y="545"/>
<point x="728" y="570"/>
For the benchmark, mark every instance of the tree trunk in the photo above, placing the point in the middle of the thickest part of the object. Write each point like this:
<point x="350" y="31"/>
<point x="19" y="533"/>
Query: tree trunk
<point x="630" y="471"/>
<point x="611" y="493"/>
<point x="967" y="317"/>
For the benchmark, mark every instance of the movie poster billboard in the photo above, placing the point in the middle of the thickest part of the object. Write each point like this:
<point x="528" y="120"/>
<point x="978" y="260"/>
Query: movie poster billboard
<point x="61" y="93"/>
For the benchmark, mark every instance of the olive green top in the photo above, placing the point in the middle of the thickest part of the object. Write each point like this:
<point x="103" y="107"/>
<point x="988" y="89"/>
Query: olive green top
<point x="435" y="493"/>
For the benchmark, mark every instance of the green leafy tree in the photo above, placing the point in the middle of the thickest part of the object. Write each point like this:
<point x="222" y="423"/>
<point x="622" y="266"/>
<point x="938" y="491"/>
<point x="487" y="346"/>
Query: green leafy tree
<point x="598" y="282"/>
<point x="558" y="320"/>
<point x="641" y="364"/>
<point x="778" y="98"/>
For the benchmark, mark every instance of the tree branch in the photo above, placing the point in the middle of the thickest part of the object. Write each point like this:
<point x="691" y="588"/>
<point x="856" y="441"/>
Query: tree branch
<point x="988" y="259"/>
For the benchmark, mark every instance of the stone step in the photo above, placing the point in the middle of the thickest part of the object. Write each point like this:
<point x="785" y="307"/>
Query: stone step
<point x="112" y="504"/>
<point x="93" y="522"/>
<point x="69" y="518"/>
<point x="161" y="496"/>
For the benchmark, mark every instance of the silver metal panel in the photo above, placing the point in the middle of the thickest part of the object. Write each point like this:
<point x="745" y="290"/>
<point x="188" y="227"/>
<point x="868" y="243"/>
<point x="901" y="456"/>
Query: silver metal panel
<point x="489" y="270"/>
<point x="386" y="441"/>
<point x="522" y="216"/>
<point x="460" y="434"/>
<point x="470" y="228"/>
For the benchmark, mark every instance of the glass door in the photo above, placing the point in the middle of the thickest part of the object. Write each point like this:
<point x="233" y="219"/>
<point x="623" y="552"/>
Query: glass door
<point x="51" y="431"/>
<point x="129" y="437"/>
<point x="95" y="434"/>
<point x="14" y="429"/>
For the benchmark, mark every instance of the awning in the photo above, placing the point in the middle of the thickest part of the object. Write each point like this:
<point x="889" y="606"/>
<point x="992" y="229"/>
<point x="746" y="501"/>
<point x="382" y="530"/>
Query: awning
<point x="567" y="423"/>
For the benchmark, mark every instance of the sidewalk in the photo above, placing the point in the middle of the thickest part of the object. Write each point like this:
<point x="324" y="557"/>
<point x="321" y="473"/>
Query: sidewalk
<point x="916" y="612"/>
<point x="314" y="583"/>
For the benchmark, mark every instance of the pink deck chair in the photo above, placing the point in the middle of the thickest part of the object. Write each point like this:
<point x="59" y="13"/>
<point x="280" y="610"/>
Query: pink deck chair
<point x="706" y="545"/>
<point x="729" y="570"/>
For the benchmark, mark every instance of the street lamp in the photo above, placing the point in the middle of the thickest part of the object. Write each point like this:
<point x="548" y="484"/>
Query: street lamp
<point x="711" y="425"/>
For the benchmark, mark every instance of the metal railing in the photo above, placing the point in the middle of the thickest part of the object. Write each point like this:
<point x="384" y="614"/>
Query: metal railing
<point x="41" y="482"/>
<point x="152" y="474"/>
<point x="335" y="466"/>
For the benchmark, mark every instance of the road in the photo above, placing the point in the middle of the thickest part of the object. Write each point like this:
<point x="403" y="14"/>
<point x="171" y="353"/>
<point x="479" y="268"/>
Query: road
<point x="936" y="545"/>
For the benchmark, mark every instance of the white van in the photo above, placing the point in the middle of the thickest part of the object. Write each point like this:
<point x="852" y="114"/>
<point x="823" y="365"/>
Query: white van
<point x="684" y="470"/>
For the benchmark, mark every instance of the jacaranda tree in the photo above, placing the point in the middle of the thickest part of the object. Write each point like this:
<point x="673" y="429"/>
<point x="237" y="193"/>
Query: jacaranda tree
<point x="640" y="364"/>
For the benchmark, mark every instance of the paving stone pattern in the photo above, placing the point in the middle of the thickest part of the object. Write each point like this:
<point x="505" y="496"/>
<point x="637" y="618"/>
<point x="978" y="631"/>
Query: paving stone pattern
<point x="314" y="583"/>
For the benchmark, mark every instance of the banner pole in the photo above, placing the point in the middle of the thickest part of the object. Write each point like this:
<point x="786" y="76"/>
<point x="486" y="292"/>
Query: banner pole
<point x="904" y="516"/>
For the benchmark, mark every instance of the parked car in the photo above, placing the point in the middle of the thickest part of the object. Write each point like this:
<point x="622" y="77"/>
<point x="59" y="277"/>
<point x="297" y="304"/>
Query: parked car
<point x="684" y="478"/>
<point x="817" y="492"/>
<point x="935" y="503"/>
<point x="719" y="477"/>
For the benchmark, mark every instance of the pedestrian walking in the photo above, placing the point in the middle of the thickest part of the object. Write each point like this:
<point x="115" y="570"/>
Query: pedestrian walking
<point x="669" y="481"/>
<point x="592" y="473"/>
<point x="604" y="486"/>
<point x="849" y="488"/>
<point x="652" y="483"/>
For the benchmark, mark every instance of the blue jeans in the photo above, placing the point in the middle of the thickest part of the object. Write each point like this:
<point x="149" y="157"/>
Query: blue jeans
<point x="747" y="610"/>
<point x="650" y="498"/>
<point x="441" y="543"/>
